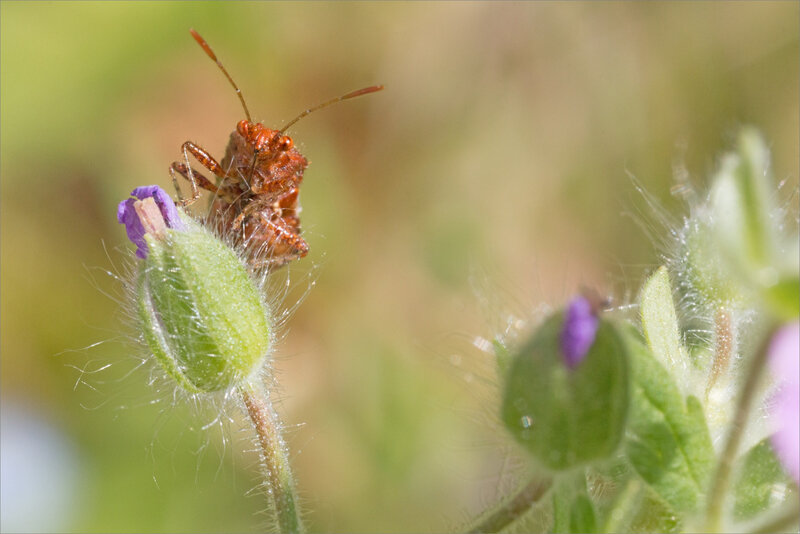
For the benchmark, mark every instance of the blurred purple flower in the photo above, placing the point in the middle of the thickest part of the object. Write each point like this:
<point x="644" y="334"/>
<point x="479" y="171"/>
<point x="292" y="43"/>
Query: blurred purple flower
<point x="784" y="359"/>
<point x="126" y="214"/>
<point x="579" y="330"/>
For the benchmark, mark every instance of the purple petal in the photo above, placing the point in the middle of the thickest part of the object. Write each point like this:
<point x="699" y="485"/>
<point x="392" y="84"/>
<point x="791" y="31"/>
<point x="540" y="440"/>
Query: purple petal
<point x="578" y="332"/>
<point x="784" y="359"/>
<point x="126" y="214"/>
<point x="164" y="203"/>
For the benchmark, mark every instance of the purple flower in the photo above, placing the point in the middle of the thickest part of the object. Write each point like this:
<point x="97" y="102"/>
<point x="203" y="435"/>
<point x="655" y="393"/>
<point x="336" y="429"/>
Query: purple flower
<point x="579" y="330"/>
<point x="784" y="359"/>
<point x="126" y="214"/>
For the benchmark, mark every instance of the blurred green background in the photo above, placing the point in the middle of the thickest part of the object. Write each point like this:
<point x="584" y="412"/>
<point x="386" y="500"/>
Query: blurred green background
<point x="493" y="175"/>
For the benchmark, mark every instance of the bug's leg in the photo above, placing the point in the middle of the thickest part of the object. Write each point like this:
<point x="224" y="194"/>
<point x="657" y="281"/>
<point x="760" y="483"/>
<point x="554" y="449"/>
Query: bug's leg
<point x="184" y="169"/>
<point x="189" y="173"/>
<point x="247" y="210"/>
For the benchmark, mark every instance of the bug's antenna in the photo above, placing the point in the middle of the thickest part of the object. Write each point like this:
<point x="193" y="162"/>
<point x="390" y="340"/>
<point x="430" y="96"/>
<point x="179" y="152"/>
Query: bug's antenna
<point x="204" y="45"/>
<point x="364" y="91"/>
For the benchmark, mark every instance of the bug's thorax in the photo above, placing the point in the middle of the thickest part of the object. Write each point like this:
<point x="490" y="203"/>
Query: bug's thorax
<point x="261" y="161"/>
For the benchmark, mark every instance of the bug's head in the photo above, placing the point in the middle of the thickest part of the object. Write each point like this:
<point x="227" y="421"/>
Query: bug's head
<point x="262" y="138"/>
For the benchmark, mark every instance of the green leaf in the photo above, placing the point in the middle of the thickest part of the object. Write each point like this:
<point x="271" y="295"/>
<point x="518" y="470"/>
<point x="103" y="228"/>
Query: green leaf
<point x="568" y="417"/>
<point x="668" y="442"/>
<point x="660" y="323"/>
<point x="760" y="474"/>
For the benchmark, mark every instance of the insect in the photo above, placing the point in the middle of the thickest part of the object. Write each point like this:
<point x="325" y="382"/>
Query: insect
<point x="257" y="186"/>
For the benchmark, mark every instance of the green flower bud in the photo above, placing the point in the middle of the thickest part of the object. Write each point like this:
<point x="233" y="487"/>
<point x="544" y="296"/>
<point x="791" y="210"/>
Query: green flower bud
<point x="568" y="413"/>
<point x="734" y="251"/>
<point x="202" y="315"/>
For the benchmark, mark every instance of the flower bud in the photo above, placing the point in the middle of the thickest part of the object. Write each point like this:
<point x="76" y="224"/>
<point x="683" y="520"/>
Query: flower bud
<point x="567" y="413"/>
<point x="734" y="251"/>
<point x="201" y="313"/>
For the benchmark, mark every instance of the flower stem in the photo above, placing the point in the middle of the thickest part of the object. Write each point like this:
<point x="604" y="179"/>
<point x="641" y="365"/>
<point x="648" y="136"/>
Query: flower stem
<point x="515" y="507"/>
<point x="274" y="456"/>
<point x="719" y="485"/>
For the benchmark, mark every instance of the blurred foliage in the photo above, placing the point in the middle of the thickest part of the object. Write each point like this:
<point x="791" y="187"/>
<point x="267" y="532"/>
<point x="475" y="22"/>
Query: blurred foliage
<point x="503" y="145"/>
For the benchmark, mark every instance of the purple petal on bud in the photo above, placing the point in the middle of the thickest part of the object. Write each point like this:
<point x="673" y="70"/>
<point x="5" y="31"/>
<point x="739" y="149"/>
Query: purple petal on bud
<point x="126" y="214"/>
<point x="578" y="332"/>
<point x="784" y="359"/>
<point x="164" y="202"/>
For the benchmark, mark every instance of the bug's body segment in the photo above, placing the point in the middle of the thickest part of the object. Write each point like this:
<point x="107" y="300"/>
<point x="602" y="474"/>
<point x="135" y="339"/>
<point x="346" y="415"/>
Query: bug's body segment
<point x="257" y="186"/>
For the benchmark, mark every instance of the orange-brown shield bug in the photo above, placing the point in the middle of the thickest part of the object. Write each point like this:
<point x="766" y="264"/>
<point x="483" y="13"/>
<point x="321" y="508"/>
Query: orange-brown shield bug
<point x="257" y="186"/>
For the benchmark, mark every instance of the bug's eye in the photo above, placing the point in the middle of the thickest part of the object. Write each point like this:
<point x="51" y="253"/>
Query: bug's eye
<point x="242" y="127"/>
<point x="285" y="143"/>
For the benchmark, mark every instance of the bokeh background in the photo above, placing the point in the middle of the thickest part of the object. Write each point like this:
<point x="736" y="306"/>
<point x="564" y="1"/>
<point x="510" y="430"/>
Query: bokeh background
<point x="495" y="175"/>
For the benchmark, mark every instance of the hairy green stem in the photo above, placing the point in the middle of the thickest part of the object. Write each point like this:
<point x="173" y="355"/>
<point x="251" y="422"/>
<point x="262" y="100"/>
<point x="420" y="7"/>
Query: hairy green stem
<point x="515" y="507"/>
<point x="719" y="485"/>
<point x="275" y="457"/>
